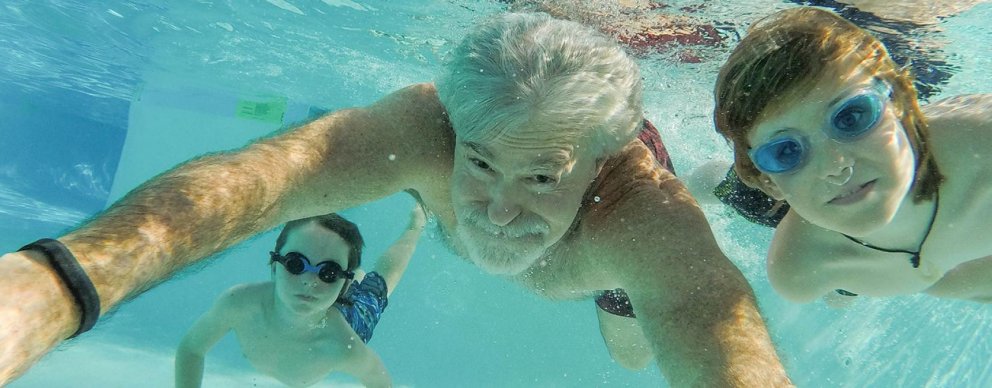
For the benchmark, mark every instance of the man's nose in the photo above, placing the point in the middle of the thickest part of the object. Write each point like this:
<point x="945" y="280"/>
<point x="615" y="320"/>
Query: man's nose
<point x="503" y="206"/>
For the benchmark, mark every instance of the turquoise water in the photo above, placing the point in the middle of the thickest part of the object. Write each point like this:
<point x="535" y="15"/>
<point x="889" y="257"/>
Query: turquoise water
<point x="100" y="96"/>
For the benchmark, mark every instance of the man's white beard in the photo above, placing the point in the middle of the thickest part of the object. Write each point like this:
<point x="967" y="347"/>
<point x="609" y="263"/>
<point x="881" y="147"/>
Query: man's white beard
<point x="506" y="250"/>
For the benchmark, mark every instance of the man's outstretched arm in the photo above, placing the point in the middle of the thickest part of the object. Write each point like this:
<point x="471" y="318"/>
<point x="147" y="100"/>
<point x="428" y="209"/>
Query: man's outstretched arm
<point x="210" y="203"/>
<point x="695" y="307"/>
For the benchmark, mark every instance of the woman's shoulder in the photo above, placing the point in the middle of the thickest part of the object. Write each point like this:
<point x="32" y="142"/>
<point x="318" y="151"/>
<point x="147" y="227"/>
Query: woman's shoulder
<point x="799" y="259"/>
<point x="966" y="113"/>
<point x="961" y="133"/>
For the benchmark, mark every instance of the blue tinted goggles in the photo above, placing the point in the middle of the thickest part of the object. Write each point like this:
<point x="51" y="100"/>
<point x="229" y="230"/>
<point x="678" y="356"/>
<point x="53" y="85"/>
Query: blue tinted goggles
<point x="296" y="263"/>
<point x="852" y="119"/>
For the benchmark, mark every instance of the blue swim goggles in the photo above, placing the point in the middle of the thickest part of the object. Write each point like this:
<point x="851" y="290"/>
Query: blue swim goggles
<point x="295" y="263"/>
<point x="851" y="120"/>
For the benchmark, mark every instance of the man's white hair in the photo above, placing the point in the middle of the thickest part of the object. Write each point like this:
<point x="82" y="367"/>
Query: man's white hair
<point x="531" y="69"/>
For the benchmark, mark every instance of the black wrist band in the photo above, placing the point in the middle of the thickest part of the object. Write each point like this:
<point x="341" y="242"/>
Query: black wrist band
<point x="68" y="269"/>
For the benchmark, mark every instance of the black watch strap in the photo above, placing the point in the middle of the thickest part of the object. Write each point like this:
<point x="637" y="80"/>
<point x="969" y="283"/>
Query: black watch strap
<point x="74" y="277"/>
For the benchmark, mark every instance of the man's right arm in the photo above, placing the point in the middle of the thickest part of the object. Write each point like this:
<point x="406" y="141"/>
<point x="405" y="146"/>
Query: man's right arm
<point x="208" y="329"/>
<point x="696" y="308"/>
<point x="201" y="207"/>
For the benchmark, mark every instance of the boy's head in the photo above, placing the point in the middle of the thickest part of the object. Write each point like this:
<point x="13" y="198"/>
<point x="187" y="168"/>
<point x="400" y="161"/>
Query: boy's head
<point x="347" y="230"/>
<point x="788" y="53"/>
<point x="329" y="243"/>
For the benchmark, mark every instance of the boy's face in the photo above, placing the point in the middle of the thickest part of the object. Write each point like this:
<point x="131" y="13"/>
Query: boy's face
<point x="306" y="293"/>
<point x="852" y="184"/>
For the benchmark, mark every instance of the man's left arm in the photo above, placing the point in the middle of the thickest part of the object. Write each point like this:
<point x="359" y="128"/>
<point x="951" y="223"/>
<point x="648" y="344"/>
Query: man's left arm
<point x="695" y="307"/>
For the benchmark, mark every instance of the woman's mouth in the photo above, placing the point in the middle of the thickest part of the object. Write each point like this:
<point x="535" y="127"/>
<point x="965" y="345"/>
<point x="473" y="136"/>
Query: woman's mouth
<point x="855" y="194"/>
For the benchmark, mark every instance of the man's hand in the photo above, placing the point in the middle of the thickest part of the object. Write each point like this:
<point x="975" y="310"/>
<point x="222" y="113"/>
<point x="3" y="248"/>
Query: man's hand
<point x="37" y="311"/>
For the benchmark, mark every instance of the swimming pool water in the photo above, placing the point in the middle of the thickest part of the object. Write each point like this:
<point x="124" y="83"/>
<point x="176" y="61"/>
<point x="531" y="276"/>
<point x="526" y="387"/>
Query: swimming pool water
<point x="100" y="96"/>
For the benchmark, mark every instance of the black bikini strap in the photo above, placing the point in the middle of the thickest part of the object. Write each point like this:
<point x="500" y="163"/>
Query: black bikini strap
<point x="915" y="259"/>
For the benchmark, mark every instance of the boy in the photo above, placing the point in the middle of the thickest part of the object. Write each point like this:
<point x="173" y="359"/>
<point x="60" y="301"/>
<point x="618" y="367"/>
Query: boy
<point x="287" y="328"/>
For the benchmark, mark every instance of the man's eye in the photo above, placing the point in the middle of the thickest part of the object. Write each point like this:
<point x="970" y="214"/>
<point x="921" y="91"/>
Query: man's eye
<point x="479" y="163"/>
<point x="544" y="179"/>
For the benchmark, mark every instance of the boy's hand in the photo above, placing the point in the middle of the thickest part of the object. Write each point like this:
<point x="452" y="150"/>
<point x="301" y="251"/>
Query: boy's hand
<point x="417" y="218"/>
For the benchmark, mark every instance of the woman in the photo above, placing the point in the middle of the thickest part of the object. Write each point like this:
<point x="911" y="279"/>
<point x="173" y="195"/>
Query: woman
<point x="821" y="117"/>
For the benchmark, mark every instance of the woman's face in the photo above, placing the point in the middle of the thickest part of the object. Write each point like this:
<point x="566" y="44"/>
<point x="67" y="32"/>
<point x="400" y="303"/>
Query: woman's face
<point x="838" y="154"/>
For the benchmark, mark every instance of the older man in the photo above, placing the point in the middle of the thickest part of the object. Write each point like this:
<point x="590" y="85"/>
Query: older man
<point x="526" y="151"/>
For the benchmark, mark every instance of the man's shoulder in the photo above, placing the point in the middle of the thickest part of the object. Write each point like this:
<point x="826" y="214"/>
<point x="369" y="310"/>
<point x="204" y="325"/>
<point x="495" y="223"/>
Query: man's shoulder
<point x="635" y="204"/>
<point x="413" y="101"/>
<point x="633" y="184"/>
<point x="632" y="168"/>
<point x="415" y="116"/>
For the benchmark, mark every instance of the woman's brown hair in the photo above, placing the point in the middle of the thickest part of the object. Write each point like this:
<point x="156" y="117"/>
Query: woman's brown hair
<point x="788" y="52"/>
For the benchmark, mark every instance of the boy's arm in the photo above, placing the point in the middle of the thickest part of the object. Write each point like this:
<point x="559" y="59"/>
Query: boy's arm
<point x="371" y="371"/>
<point x="393" y="263"/>
<point x="206" y="331"/>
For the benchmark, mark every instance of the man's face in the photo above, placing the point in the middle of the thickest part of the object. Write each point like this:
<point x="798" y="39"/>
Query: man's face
<point x="517" y="195"/>
<point x="306" y="293"/>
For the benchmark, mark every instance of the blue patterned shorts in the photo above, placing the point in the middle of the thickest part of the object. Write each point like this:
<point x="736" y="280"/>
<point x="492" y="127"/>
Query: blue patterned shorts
<point x="368" y="301"/>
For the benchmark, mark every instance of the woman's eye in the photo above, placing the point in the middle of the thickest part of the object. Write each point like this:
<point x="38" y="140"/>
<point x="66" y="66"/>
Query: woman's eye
<point x="849" y="118"/>
<point x="788" y="151"/>
<point x="856" y="117"/>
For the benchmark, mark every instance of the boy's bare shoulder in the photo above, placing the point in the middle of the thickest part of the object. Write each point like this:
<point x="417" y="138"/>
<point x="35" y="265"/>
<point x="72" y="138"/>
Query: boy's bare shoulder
<point x="243" y="299"/>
